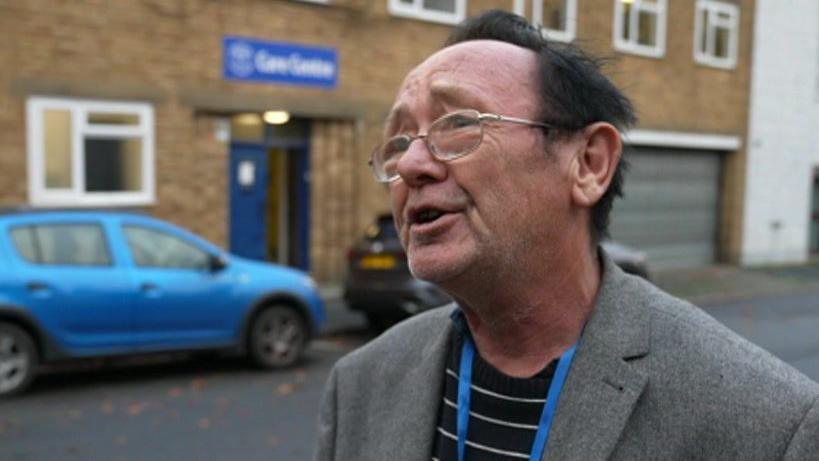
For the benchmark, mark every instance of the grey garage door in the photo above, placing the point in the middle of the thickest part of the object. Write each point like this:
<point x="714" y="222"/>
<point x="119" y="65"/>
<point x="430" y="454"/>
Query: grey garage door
<point x="670" y="208"/>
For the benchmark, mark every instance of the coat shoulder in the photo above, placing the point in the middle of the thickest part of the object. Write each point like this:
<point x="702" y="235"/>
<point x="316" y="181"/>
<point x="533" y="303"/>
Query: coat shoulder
<point x="406" y="341"/>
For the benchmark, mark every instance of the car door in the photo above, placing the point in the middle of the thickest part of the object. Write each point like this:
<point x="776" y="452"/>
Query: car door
<point x="183" y="300"/>
<point x="73" y="285"/>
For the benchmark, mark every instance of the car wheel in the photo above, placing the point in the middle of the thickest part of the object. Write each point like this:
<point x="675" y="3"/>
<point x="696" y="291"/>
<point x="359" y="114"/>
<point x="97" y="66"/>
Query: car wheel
<point x="18" y="359"/>
<point x="278" y="337"/>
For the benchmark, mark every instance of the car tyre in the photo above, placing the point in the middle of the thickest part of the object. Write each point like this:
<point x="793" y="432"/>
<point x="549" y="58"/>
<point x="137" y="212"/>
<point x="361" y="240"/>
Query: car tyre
<point x="278" y="337"/>
<point x="18" y="359"/>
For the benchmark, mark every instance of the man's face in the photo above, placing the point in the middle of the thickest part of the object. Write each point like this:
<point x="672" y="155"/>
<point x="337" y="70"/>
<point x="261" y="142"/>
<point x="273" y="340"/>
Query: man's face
<point x="503" y="206"/>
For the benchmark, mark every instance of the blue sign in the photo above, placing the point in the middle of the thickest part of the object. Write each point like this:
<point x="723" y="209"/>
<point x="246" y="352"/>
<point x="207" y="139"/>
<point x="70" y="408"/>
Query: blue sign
<point x="252" y="60"/>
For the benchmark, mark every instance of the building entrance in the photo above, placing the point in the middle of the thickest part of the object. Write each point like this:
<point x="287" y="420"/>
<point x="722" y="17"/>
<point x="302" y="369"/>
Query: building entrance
<point x="269" y="196"/>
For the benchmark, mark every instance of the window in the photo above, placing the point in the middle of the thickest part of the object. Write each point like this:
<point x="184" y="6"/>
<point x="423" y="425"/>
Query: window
<point x="62" y="244"/>
<point x="443" y="11"/>
<point x="90" y="153"/>
<point x="639" y="26"/>
<point x="154" y="248"/>
<point x="557" y="18"/>
<point x="716" y="33"/>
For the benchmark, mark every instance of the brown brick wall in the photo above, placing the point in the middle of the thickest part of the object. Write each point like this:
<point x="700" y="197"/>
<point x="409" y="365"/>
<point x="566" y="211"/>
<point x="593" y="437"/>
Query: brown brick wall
<point x="333" y="185"/>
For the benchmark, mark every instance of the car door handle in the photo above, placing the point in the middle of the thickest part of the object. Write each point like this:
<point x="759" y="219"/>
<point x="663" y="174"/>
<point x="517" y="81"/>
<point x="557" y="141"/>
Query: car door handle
<point x="36" y="286"/>
<point x="148" y="287"/>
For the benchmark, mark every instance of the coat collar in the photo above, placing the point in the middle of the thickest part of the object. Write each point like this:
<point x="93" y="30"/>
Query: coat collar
<point x="422" y="387"/>
<point x="605" y="381"/>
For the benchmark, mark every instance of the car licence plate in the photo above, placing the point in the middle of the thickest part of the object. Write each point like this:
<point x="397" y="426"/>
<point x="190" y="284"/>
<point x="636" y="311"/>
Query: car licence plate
<point x="377" y="262"/>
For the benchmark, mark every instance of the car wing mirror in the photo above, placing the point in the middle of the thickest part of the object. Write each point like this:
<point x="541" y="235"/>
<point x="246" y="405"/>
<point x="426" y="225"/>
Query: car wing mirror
<point x="217" y="263"/>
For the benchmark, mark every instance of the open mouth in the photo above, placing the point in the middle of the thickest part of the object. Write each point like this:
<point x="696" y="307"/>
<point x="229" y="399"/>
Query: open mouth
<point x="427" y="215"/>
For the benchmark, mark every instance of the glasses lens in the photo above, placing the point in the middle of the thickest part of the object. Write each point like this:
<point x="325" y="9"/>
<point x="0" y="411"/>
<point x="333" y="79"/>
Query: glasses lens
<point x="385" y="159"/>
<point x="455" y="135"/>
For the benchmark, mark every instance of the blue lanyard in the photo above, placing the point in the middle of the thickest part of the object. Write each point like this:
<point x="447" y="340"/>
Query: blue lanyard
<point x="465" y="385"/>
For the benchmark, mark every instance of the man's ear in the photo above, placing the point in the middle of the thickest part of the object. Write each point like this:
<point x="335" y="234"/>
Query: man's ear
<point x="596" y="161"/>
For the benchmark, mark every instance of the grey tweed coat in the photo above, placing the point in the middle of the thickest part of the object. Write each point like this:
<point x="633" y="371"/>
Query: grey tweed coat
<point x="654" y="378"/>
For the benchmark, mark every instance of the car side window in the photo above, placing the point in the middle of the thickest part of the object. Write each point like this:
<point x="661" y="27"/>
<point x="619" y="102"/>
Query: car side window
<point x="154" y="248"/>
<point x="62" y="244"/>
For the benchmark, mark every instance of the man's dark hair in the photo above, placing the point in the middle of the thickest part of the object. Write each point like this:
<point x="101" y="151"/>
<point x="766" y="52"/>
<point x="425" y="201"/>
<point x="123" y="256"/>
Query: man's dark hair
<point x="574" y="92"/>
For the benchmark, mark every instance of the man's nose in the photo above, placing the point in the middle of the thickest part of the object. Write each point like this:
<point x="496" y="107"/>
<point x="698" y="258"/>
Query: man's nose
<point x="418" y="166"/>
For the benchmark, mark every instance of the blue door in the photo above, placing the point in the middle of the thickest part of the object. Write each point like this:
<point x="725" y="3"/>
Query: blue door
<point x="248" y="200"/>
<point x="301" y="242"/>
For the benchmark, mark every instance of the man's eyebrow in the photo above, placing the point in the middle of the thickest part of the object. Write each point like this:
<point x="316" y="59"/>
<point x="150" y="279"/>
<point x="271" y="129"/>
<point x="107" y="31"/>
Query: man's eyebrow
<point x="453" y="93"/>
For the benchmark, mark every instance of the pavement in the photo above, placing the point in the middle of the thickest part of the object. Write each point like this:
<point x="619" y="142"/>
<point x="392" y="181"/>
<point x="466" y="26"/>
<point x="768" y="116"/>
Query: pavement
<point x="719" y="284"/>
<point x="710" y="284"/>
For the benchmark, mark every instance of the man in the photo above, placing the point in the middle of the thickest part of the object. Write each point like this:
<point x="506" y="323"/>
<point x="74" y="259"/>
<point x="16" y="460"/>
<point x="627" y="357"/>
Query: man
<point x="502" y="155"/>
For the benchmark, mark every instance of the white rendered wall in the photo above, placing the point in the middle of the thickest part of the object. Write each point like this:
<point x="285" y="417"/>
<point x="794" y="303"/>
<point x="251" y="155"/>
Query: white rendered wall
<point x="783" y="135"/>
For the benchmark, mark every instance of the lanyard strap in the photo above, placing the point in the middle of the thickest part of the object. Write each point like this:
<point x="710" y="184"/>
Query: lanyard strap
<point x="464" y="392"/>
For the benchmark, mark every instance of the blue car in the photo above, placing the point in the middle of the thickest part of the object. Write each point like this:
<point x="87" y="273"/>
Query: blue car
<point x="91" y="284"/>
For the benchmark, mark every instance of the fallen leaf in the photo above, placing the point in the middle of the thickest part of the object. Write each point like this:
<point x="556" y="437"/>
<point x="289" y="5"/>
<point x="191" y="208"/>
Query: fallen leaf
<point x="136" y="408"/>
<point x="175" y="392"/>
<point x="285" y="388"/>
<point x="198" y="384"/>
<point x="204" y="423"/>
<point x="107" y="407"/>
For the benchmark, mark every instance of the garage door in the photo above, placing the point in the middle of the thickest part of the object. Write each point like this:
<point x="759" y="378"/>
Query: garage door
<point x="671" y="204"/>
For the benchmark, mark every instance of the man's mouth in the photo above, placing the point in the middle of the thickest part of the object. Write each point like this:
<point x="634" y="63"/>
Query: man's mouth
<point x="427" y="216"/>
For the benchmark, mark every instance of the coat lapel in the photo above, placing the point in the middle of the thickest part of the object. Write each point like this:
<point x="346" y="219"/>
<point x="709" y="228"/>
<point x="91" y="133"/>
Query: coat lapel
<point x="421" y="390"/>
<point x="605" y="380"/>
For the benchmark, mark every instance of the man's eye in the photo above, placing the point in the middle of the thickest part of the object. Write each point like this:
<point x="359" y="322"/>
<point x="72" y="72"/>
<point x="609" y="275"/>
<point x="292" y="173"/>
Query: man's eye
<point x="457" y="122"/>
<point x="396" y="145"/>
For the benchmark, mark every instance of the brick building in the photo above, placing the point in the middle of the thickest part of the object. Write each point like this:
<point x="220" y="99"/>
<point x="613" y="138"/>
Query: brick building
<point x="161" y="106"/>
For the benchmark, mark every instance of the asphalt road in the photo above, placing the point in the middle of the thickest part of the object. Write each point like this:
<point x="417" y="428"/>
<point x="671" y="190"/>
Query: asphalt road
<point x="172" y="408"/>
<point x="176" y="407"/>
<point x="786" y="326"/>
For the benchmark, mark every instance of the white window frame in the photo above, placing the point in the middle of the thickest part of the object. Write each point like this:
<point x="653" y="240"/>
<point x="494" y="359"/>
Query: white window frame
<point x="630" y="45"/>
<point x="79" y="109"/>
<point x="536" y="19"/>
<point x="713" y="8"/>
<point x="417" y="11"/>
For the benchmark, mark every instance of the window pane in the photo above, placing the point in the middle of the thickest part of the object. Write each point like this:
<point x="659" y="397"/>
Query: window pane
<point x="247" y="127"/>
<point x="57" y="143"/>
<point x="72" y="244"/>
<point x="626" y="18"/>
<point x="704" y="31"/>
<point x="447" y="6"/>
<point x="294" y="130"/>
<point x="103" y="118"/>
<point x="23" y="238"/>
<point x="113" y="165"/>
<point x="152" y="248"/>
<point x="721" y="37"/>
<point x="647" y="28"/>
<point x="554" y="14"/>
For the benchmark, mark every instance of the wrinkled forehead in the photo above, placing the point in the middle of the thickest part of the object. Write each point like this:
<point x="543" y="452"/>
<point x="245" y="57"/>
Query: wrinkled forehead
<point x="477" y="74"/>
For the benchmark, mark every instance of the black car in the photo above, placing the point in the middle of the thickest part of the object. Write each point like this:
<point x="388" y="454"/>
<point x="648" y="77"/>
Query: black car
<point x="379" y="283"/>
